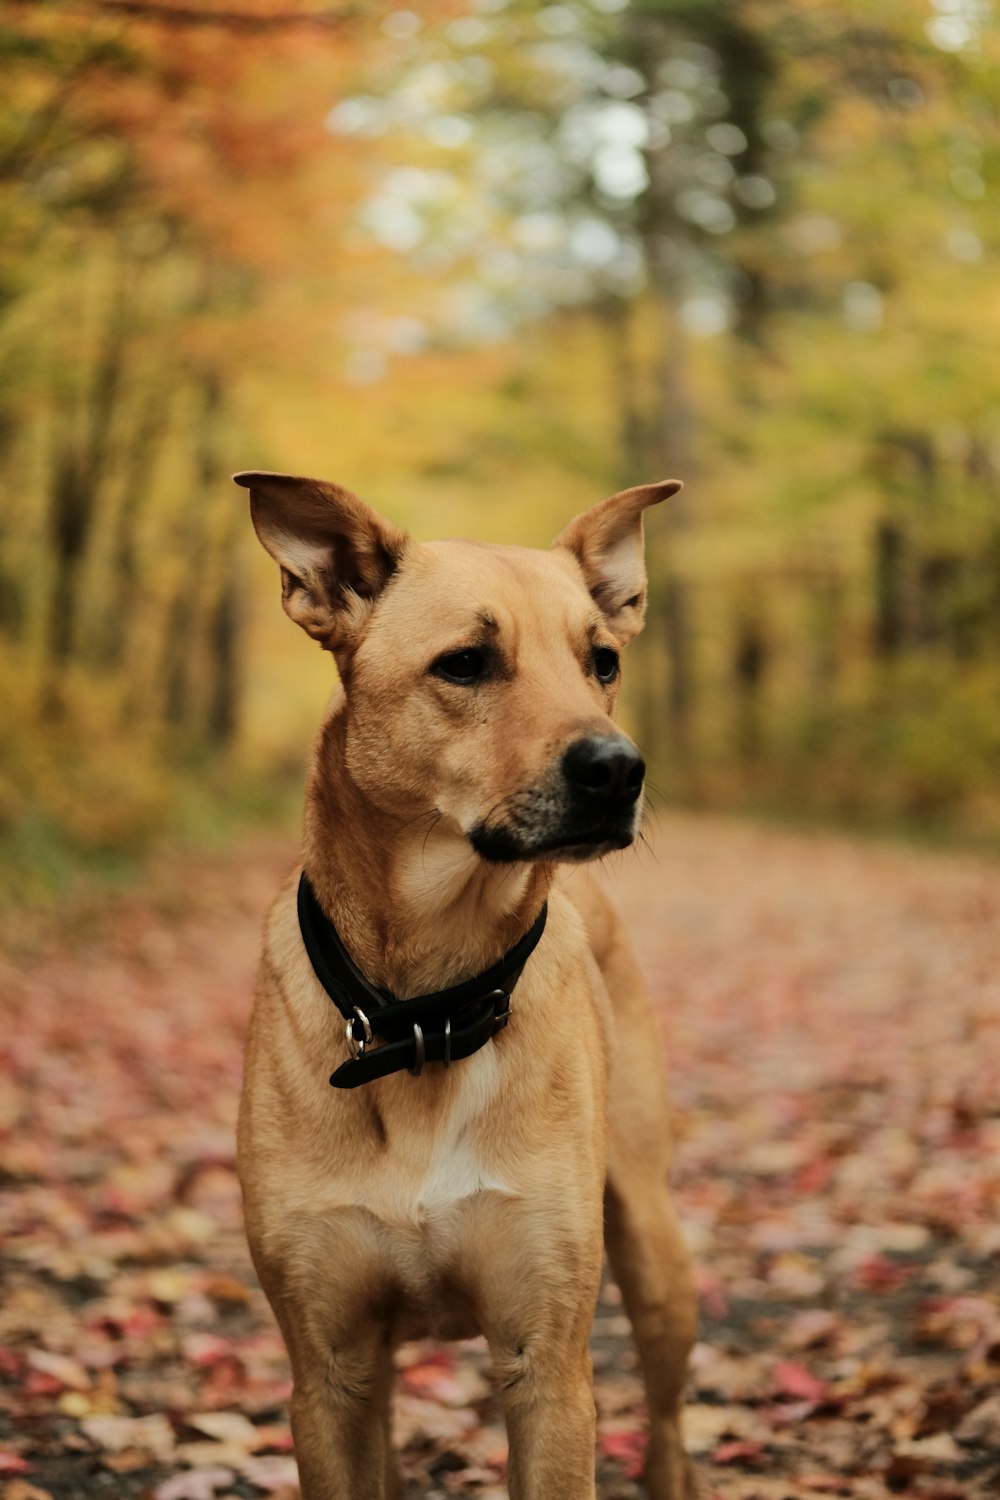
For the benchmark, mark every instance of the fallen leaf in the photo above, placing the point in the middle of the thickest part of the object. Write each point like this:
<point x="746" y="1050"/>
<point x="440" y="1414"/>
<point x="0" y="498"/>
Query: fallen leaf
<point x="795" y="1380"/>
<point x="67" y="1372"/>
<point x="627" y="1447"/>
<point x="271" y="1472"/>
<point x="704" y="1425"/>
<point x="273" y="1438"/>
<point x="152" y="1434"/>
<point x="980" y="1427"/>
<point x="226" y="1427"/>
<point x="20" y="1489"/>
<point x="750" y="1454"/>
<point x="939" y="1448"/>
<point x="437" y="1378"/>
<point x="227" y="1289"/>
<point x="199" y="1484"/>
<point x="125" y="1462"/>
<point x="811" y="1328"/>
<point x="211" y="1455"/>
<point x="879" y="1274"/>
<point x="414" y="1417"/>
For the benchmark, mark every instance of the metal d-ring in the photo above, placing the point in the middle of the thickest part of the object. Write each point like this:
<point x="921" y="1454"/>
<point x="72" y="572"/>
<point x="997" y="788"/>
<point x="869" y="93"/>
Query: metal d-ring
<point x="420" y="1056"/>
<point x="447" y="1043"/>
<point x="358" y="1047"/>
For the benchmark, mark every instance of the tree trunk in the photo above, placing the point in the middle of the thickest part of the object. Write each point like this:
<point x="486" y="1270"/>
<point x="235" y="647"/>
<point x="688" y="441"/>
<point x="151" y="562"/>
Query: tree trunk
<point x="79" y="464"/>
<point x="120" y="607"/>
<point x="224" y="640"/>
<point x="184" y="639"/>
<point x="749" y="665"/>
<point x="890" y="613"/>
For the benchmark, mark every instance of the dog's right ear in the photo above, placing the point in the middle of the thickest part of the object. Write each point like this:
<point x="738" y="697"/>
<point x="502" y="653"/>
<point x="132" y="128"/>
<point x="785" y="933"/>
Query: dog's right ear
<point x="335" y="554"/>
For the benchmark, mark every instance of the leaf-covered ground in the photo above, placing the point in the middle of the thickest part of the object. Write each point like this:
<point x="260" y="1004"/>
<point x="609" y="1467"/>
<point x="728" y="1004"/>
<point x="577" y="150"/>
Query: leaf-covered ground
<point x="833" y="1017"/>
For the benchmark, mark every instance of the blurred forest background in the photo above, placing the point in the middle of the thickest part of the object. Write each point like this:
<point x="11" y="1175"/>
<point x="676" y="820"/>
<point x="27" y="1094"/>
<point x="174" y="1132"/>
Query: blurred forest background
<point x="484" y="261"/>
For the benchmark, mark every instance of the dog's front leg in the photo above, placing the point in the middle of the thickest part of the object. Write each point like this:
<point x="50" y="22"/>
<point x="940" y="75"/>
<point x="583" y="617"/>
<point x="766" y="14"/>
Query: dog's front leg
<point x="340" y="1419"/>
<point x="536" y="1280"/>
<point x="548" y="1399"/>
<point x="326" y="1280"/>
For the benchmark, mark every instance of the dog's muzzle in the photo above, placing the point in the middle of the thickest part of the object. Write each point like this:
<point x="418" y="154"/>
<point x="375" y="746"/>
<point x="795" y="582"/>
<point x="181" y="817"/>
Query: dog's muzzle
<point x="584" y="807"/>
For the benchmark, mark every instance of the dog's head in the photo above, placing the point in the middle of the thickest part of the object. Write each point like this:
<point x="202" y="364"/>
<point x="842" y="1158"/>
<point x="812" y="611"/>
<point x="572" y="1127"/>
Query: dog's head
<point x="481" y="681"/>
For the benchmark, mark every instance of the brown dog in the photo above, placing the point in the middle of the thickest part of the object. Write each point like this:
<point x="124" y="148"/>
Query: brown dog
<point x="469" y="751"/>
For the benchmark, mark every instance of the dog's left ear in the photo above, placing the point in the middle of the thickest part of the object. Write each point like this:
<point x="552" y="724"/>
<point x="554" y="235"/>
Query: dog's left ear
<point x="607" y="542"/>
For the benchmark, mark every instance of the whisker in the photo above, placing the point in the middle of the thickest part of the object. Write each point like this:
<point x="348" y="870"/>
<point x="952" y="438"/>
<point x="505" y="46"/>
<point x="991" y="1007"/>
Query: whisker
<point x="431" y="813"/>
<point x="648" y="846"/>
<point x="435" y="820"/>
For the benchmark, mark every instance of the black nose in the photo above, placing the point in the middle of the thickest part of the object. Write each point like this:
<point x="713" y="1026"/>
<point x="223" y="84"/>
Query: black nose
<point x="608" y="766"/>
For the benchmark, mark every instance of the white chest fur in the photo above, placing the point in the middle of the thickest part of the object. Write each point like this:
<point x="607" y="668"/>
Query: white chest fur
<point x="455" y="1169"/>
<point x="434" y="1161"/>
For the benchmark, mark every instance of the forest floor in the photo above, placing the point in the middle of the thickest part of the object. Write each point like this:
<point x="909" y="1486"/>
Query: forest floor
<point x="832" y="1012"/>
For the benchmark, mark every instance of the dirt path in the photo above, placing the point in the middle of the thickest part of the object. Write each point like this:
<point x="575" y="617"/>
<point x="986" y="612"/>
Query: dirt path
<point x="833" y="1016"/>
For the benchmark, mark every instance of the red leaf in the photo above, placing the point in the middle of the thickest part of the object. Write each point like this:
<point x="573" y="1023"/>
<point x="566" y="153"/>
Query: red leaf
<point x="795" y="1380"/>
<point x="425" y="1375"/>
<point x="204" y="1349"/>
<point x="739" y="1452"/>
<point x="788" y="1413"/>
<point x="627" y="1447"/>
<point x="879" y="1274"/>
<point x="814" y="1176"/>
<point x="13" y="1463"/>
<point x="39" y="1383"/>
<point x="711" y="1293"/>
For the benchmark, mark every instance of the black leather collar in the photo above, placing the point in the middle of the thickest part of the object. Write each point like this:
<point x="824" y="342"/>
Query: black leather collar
<point x="442" y="1027"/>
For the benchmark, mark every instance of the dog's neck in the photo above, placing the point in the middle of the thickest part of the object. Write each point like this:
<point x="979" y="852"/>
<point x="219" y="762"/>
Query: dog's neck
<point x="416" y="907"/>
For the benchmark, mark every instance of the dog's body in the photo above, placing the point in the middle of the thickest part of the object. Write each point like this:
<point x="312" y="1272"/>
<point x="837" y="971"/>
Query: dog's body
<point x="468" y="752"/>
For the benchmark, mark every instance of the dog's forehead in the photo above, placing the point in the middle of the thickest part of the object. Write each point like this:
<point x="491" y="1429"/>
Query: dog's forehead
<point x="466" y="580"/>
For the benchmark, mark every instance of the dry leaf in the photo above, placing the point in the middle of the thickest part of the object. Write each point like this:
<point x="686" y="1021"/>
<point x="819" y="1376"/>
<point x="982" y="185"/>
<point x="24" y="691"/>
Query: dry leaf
<point x="271" y="1471"/>
<point x="210" y="1455"/>
<point x="199" y="1484"/>
<point x="152" y="1434"/>
<point x="226" y="1427"/>
<point x="68" y="1372"/>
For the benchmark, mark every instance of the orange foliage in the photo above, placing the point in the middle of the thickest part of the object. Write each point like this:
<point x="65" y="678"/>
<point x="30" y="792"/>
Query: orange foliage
<point x="212" y="120"/>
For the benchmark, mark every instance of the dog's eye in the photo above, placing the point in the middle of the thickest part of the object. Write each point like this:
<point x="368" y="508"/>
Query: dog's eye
<point x="463" y="667"/>
<point x="606" y="663"/>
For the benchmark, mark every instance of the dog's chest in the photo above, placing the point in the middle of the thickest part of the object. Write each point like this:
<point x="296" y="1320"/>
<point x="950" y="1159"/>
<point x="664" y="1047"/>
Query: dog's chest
<point x="435" y="1159"/>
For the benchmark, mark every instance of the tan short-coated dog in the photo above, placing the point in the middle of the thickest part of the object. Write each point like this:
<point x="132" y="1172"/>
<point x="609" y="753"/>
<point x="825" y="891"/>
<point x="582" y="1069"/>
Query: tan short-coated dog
<point x="486" y="1138"/>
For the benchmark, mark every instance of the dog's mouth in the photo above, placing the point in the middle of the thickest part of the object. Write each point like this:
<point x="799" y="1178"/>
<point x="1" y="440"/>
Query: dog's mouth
<point x="503" y="844"/>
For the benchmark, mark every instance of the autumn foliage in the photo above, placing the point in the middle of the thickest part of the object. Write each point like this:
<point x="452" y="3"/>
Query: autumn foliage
<point x="485" y="263"/>
<point x="158" y="195"/>
<point x="831" y="1015"/>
